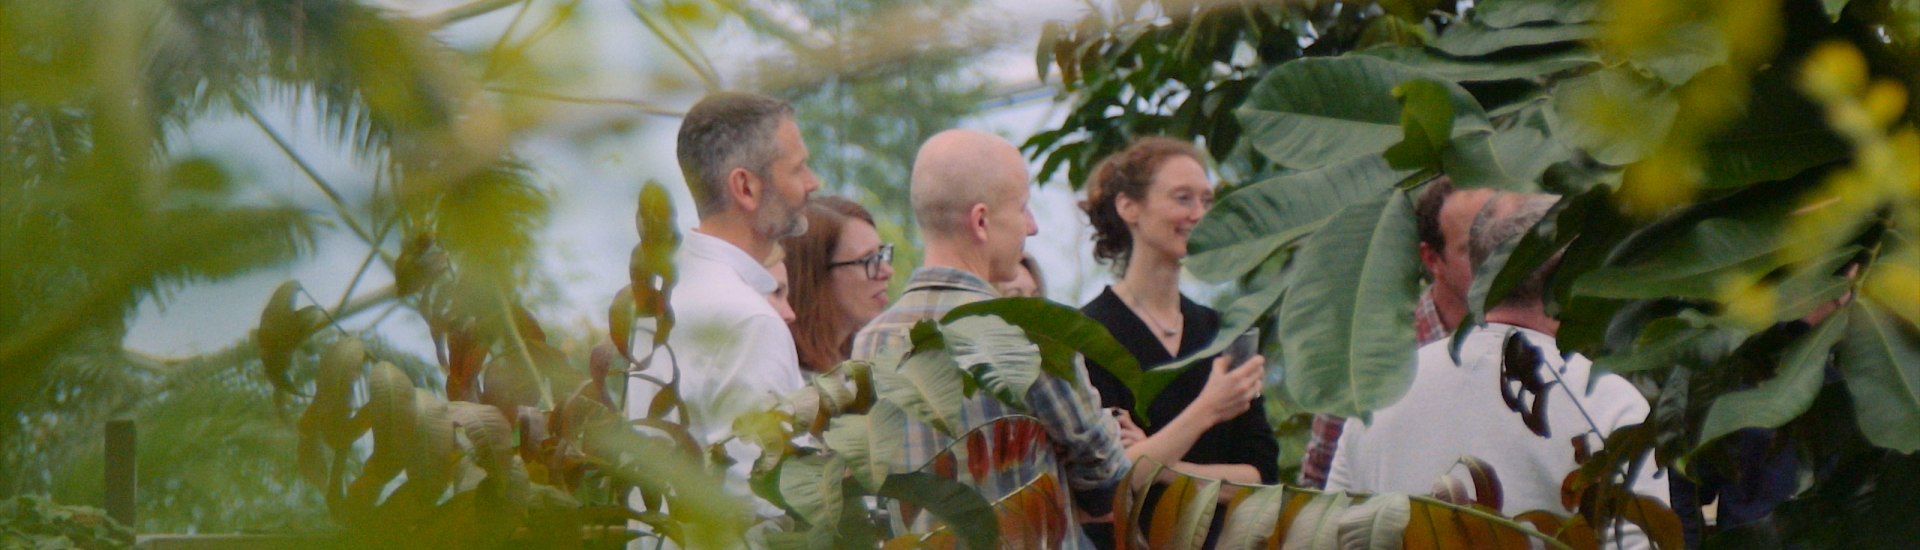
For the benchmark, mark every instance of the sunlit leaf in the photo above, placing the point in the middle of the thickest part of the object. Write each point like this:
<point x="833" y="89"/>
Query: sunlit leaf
<point x="1377" y="524"/>
<point x="1324" y="111"/>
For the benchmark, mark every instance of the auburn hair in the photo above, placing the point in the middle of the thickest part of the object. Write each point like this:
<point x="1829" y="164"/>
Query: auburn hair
<point x="1128" y="172"/>
<point x="816" y="307"/>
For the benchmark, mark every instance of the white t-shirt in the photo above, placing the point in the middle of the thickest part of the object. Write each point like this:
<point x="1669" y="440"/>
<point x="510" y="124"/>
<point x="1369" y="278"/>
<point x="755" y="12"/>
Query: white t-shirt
<point x="1453" y="410"/>
<point x="735" y="354"/>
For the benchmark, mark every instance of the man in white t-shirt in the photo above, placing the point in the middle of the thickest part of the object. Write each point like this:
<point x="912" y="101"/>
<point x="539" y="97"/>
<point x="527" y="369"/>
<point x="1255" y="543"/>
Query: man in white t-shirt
<point x="1456" y="409"/>
<point x="746" y="168"/>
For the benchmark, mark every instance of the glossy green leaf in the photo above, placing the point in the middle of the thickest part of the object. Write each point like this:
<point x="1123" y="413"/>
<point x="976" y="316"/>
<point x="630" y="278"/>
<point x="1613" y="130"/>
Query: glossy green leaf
<point x="1692" y="265"/>
<point x="1377" y="524"/>
<point x="925" y="385"/>
<point x="812" y="485"/>
<point x="1591" y="112"/>
<point x="1239" y="259"/>
<point x="1786" y="395"/>
<point x="1060" y="331"/>
<point x="1325" y="111"/>
<point x="1426" y="121"/>
<point x="1673" y="341"/>
<point x="1282" y="208"/>
<point x="959" y="507"/>
<point x="1512" y="158"/>
<point x="1469" y="38"/>
<point x="996" y="354"/>
<point x="1880" y="358"/>
<point x="1486" y="70"/>
<point x="1511" y="13"/>
<point x="1682" y="52"/>
<point x="854" y="436"/>
<point x="1783" y="134"/>
<point x="1347" y="338"/>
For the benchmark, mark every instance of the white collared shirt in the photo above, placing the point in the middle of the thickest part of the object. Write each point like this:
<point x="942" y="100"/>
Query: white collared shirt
<point x="1456" y="409"/>
<point x="735" y="354"/>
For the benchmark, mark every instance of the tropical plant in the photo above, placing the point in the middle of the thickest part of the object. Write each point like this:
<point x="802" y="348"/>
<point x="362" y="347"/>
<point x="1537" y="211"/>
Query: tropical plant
<point x="1729" y="168"/>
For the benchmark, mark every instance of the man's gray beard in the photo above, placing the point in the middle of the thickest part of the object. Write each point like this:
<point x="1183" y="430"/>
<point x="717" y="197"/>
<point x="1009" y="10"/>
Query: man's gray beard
<point x="789" y="224"/>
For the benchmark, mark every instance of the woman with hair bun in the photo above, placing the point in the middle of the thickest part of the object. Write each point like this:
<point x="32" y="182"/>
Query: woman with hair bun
<point x="1144" y="202"/>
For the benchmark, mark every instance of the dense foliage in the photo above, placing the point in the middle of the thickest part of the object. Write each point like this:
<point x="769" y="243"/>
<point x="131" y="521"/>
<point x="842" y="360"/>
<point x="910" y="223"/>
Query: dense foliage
<point x="1729" y="168"/>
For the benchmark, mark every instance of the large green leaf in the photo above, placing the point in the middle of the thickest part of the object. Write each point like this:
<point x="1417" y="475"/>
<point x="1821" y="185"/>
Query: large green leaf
<point x="927" y="386"/>
<point x="1692" y="265"/>
<point x="1281" y="208"/>
<point x="1321" y="111"/>
<point x="1486" y="70"/>
<point x="853" y="436"/>
<point x="998" y="356"/>
<point x="1426" y="121"/>
<point x="1377" y="524"/>
<point x="1616" y="115"/>
<point x="1347" y="338"/>
<point x="1238" y="259"/>
<point x="813" y="485"/>
<point x="1512" y="13"/>
<point x="1469" y="38"/>
<point x="1059" y="330"/>
<point x="1673" y="341"/>
<point x="1880" y="357"/>
<point x="960" y="507"/>
<point x="1786" y="395"/>
<point x="1682" y="52"/>
<point x="1782" y="134"/>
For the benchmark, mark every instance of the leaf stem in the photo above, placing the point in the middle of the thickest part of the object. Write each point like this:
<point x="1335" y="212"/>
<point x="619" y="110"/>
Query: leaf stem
<point x="339" y="202"/>
<point x="636" y="104"/>
<point x="707" y="78"/>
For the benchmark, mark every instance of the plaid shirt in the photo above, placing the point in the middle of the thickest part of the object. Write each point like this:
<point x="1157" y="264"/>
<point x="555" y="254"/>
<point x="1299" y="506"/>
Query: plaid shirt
<point x="1086" y="441"/>
<point x="1326" y="427"/>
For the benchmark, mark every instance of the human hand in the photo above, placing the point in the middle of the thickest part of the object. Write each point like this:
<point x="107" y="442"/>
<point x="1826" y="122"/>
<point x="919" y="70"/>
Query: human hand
<point x="1230" y="392"/>
<point x="1130" y="433"/>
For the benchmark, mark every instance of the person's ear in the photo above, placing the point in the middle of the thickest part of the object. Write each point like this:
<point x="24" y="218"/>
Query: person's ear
<point x="1128" y="208"/>
<point x="1431" y="258"/>
<point x="977" y="221"/>
<point x="745" y="189"/>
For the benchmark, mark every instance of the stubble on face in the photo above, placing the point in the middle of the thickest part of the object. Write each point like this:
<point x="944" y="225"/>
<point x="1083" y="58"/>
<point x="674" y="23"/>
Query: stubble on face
<point x="788" y="182"/>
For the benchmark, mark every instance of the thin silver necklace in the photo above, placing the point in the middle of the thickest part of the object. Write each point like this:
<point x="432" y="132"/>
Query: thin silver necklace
<point x="1134" y="300"/>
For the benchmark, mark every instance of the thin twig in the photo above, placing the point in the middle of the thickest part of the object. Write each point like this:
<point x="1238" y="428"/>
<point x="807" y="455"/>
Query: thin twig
<point x="636" y="104"/>
<point x="353" y="283"/>
<point x="520" y="343"/>
<point x="493" y="54"/>
<point x="465" y="11"/>
<point x="711" y="81"/>
<point x="339" y="202"/>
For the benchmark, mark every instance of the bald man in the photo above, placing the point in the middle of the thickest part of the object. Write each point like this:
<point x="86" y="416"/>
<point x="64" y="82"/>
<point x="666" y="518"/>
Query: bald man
<point x="969" y="195"/>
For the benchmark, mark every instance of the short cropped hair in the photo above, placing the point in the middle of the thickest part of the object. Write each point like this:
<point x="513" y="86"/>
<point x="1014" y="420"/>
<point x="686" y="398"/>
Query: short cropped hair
<point x="724" y="131"/>
<point x="1496" y="224"/>
<point x="1426" y="212"/>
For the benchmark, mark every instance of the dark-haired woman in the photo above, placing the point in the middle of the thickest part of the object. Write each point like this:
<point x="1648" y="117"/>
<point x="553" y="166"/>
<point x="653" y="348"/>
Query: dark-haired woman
<point x="1143" y="202"/>
<point x="839" y="272"/>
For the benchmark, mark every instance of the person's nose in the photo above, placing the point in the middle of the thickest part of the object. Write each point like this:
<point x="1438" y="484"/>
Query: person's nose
<point x="1033" y="228"/>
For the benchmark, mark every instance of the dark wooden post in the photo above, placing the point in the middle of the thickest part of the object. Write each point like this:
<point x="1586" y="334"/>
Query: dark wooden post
<point x="122" y="479"/>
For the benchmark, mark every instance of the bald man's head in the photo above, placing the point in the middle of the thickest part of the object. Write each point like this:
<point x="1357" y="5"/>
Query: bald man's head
<point x="970" y="195"/>
<point x="957" y="169"/>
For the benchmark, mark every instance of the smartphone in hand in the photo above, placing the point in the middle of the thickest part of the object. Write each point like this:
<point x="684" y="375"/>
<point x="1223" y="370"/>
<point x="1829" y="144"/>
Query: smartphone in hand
<point x="1243" y="347"/>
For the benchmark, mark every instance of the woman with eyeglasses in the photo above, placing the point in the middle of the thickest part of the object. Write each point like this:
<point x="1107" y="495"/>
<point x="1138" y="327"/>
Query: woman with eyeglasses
<point x="839" y="272"/>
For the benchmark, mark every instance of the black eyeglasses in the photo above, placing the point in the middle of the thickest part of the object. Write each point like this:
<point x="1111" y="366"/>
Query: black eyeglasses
<point x="871" y="262"/>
